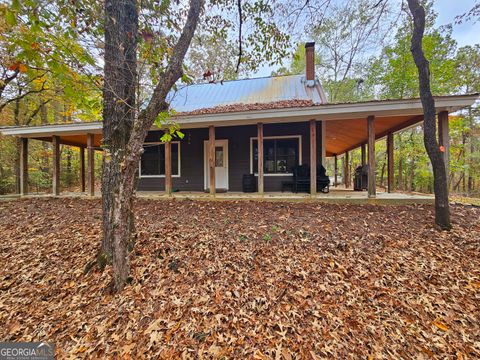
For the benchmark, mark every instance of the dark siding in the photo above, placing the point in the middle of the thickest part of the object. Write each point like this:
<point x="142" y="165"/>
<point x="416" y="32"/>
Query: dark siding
<point x="192" y="156"/>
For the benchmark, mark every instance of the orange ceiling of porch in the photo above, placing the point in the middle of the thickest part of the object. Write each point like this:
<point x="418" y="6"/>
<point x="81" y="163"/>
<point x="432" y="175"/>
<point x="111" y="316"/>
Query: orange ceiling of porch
<point x="346" y="135"/>
<point x="75" y="140"/>
<point x="341" y="135"/>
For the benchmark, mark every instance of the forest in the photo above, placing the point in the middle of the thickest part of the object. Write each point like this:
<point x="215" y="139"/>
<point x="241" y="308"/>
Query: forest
<point x="363" y="53"/>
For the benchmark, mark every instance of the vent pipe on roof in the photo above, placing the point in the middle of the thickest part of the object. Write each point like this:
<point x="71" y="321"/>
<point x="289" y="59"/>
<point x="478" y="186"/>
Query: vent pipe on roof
<point x="310" y="63"/>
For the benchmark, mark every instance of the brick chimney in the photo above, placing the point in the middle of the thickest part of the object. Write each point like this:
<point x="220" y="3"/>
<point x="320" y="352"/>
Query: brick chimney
<point x="310" y="63"/>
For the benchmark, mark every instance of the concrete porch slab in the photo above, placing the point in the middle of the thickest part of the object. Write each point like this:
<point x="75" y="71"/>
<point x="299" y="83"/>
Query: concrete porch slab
<point x="335" y="196"/>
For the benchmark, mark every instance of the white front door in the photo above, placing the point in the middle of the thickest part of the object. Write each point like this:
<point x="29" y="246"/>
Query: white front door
<point x="221" y="165"/>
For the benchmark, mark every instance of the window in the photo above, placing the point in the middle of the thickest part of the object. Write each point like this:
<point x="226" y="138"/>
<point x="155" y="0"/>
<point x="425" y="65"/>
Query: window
<point x="152" y="163"/>
<point x="280" y="154"/>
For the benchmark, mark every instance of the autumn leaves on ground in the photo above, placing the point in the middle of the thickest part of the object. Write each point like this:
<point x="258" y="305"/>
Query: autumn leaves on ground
<point x="239" y="280"/>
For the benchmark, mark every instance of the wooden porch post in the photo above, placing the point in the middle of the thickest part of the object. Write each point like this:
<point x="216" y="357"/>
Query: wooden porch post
<point x="90" y="165"/>
<point x="335" y="170"/>
<point x="82" y="168"/>
<point x="168" y="168"/>
<point x="260" y="157"/>
<point x="390" y="160"/>
<point x="211" y="157"/>
<point x="24" y="166"/>
<point x="372" y="191"/>
<point x="313" y="157"/>
<point x="364" y="155"/>
<point x="444" y="140"/>
<point x="56" y="165"/>
<point x="323" y="147"/>
<point x="346" y="173"/>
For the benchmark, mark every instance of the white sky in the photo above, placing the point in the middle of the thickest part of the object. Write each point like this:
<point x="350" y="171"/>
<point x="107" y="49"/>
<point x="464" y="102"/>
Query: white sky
<point x="465" y="34"/>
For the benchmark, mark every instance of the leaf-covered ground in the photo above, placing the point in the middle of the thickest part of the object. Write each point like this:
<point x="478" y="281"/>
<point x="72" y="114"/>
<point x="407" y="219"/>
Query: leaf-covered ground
<point x="239" y="280"/>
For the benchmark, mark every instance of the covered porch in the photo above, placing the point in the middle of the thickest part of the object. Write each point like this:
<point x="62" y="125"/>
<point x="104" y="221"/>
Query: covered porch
<point x="192" y="169"/>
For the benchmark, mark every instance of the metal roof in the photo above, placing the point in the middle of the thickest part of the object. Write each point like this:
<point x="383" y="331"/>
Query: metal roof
<point x="246" y="91"/>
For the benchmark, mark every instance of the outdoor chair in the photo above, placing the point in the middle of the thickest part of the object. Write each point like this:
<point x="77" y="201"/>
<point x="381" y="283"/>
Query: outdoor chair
<point x="301" y="178"/>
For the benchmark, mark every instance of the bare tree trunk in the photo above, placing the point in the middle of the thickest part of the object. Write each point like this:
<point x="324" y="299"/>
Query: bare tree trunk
<point x="456" y="186"/>
<point x="442" y="210"/>
<point x="123" y="130"/>
<point x="382" y="173"/>
<point x="45" y="158"/>
<point x="411" y="184"/>
<point x="119" y="111"/>
<point x="400" y="174"/>
<point x="472" y="151"/>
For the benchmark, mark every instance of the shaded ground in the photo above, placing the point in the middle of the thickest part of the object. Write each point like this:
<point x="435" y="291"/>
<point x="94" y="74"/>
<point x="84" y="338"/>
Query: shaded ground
<point x="244" y="280"/>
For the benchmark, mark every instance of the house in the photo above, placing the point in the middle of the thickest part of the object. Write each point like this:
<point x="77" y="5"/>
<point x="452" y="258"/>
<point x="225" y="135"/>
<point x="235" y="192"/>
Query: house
<point x="227" y="124"/>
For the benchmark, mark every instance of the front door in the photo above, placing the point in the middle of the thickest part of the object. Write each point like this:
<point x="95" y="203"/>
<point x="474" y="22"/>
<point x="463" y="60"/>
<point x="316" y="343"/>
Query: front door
<point x="221" y="165"/>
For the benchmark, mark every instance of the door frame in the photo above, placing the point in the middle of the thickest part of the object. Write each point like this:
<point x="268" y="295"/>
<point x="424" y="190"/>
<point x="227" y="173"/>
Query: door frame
<point x="218" y="142"/>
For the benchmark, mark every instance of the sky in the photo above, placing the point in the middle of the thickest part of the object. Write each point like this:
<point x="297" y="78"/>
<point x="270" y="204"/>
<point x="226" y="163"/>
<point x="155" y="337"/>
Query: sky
<point x="465" y="34"/>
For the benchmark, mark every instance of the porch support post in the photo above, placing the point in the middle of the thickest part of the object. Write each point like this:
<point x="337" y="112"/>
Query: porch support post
<point x="81" y="150"/>
<point x="260" y="157"/>
<point x="313" y="157"/>
<point x="346" y="172"/>
<point x="168" y="168"/>
<point x="444" y="140"/>
<point x="90" y="165"/>
<point x="56" y="165"/>
<point x="323" y="145"/>
<point x="372" y="191"/>
<point x="335" y="170"/>
<point x="364" y="155"/>
<point x="211" y="158"/>
<point x="24" y="166"/>
<point x="390" y="172"/>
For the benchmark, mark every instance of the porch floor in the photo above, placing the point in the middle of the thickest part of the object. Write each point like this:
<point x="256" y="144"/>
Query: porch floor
<point x="338" y="195"/>
<point x="334" y="196"/>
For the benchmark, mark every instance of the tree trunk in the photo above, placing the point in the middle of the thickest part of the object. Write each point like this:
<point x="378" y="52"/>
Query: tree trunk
<point x="440" y="186"/>
<point x="472" y="151"/>
<point x="382" y="173"/>
<point x="411" y="184"/>
<point x="45" y="158"/>
<point x="119" y="111"/>
<point x="400" y="174"/>
<point x="123" y="130"/>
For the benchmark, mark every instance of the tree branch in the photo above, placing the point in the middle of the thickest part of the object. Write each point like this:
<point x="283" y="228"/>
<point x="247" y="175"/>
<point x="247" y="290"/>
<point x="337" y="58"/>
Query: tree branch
<point x="174" y="69"/>
<point x="20" y="97"/>
<point x="7" y="80"/>
<point x="35" y="112"/>
<point x="239" y="5"/>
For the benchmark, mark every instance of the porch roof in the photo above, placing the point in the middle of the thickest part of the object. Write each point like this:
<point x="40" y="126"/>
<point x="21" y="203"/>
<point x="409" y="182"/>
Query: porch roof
<point x="346" y="125"/>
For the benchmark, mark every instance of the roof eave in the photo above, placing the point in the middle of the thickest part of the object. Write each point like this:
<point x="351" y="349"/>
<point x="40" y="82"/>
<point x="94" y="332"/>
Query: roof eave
<point x="342" y="111"/>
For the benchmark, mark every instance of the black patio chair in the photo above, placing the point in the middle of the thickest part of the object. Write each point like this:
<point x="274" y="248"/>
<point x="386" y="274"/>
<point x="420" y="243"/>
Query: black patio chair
<point x="301" y="178"/>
